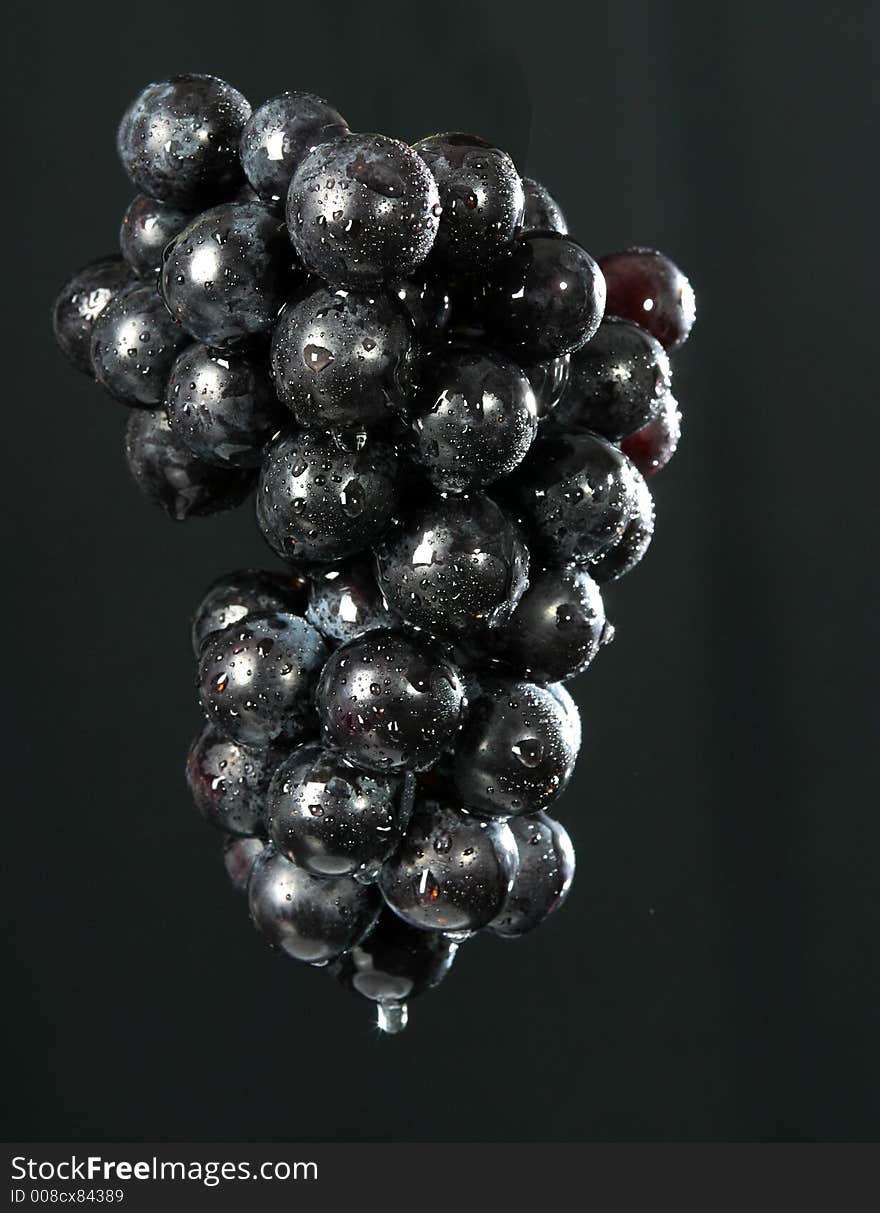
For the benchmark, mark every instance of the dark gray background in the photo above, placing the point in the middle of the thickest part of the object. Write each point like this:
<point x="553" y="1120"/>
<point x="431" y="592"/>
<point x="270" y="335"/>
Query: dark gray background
<point x="714" y="974"/>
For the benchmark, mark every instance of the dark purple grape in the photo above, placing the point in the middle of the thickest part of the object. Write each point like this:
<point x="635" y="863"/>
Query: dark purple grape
<point x="389" y="701"/>
<point x="170" y="475"/>
<point x="622" y="558"/>
<point x="226" y="276"/>
<point x="454" y="566"/>
<point x="147" y="227"/>
<point x="339" y="358"/>
<point x="80" y="302"/>
<point x="545" y="297"/>
<point x="452" y="871"/>
<point x="473" y="417"/>
<point x="518" y="749"/>
<point x="575" y="493"/>
<point x="239" y="857"/>
<point x="548" y="380"/>
<point x="541" y="212"/>
<point x="651" y="447"/>
<point x="246" y="592"/>
<point x="229" y="783"/>
<point x="331" y="818"/>
<point x="481" y="195"/>
<point x="557" y="628"/>
<point x="616" y="383"/>
<point x="319" y="500"/>
<point x="178" y="140"/>
<point x="279" y="134"/>
<point x="257" y="677"/>
<point x="345" y="601"/>
<point x="543" y="879"/>
<point x="134" y="345"/>
<point x="309" y="918"/>
<point x="646" y="287"/>
<point x="426" y="302"/>
<point x="222" y="405"/>
<point x="362" y="209"/>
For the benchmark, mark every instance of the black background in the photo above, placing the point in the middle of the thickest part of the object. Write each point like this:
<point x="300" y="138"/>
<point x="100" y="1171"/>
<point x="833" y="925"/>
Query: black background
<point x="714" y="974"/>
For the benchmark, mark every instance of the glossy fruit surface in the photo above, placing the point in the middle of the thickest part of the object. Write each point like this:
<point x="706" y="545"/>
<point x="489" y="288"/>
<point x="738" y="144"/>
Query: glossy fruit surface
<point x="226" y="276"/>
<point x="557" y="628"/>
<point x="473" y="417"/>
<point x="545" y="297"/>
<point x="395" y="962"/>
<point x="345" y="601"/>
<point x="319" y="499"/>
<point x="452" y="871"/>
<point x="222" y="405"/>
<point x="426" y="301"/>
<point x="623" y="556"/>
<point x="339" y="357"/>
<point x="309" y="918"/>
<point x="80" y="302"/>
<point x="246" y="592"/>
<point x="147" y="227"/>
<point x="134" y="345"/>
<point x="257" y="678"/>
<point x="616" y="383"/>
<point x="331" y="818"/>
<point x="541" y="212"/>
<point x="229" y="783"/>
<point x="170" y="475"/>
<point x="575" y="493"/>
<point x="481" y="195"/>
<point x="651" y="447"/>
<point x="178" y="140"/>
<point x="548" y="380"/>
<point x="454" y="565"/>
<point x="646" y="287"/>
<point x="390" y="701"/>
<point x="279" y="134"/>
<point x="543" y="878"/>
<point x="239" y="856"/>
<point x="518" y="749"/>
<point x="362" y="209"/>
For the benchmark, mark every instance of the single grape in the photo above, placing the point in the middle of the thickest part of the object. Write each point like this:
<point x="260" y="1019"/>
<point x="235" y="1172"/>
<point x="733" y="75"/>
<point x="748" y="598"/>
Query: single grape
<point x="481" y="195"/>
<point x="229" y="783"/>
<point x="362" y="209"/>
<point x="396" y="962"/>
<point x="320" y="500"/>
<point x="389" y="701"/>
<point x="222" y="405"/>
<point x="340" y="357"/>
<point x="518" y="749"/>
<point x="543" y="879"/>
<point x="541" y="212"/>
<point x="309" y="918"/>
<point x="147" y="227"/>
<point x="473" y="417"/>
<point x="226" y="276"/>
<point x="133" y="347"/>
<point x="239" y="857"/>
<point x="646" y="287"/>
<point x="246" y="592"/>
<point x="557" y="627"/>
<point x="257" y="677"/>
<point x="279" y="134"/>
<point x="453" y="871"/>
<point x="170" y="475"/>
<point x="548" y="380"/>
<point x="575" y="493"/>
<point x="345" y="601"/>
<point x="622" y="558"/>
<point x="454" y="565"/>
<point x="331" y="818"/>
<point x="651" y="447"/>
<point x="80" y="302"/>
<point x="545" y="297"/>
<point x="178" y="140"/>
<point x="616" y="383"/>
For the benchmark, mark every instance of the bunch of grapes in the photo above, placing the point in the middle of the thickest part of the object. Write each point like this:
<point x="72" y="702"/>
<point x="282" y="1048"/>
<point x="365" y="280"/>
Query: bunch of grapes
<point x="449" y="412"/>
